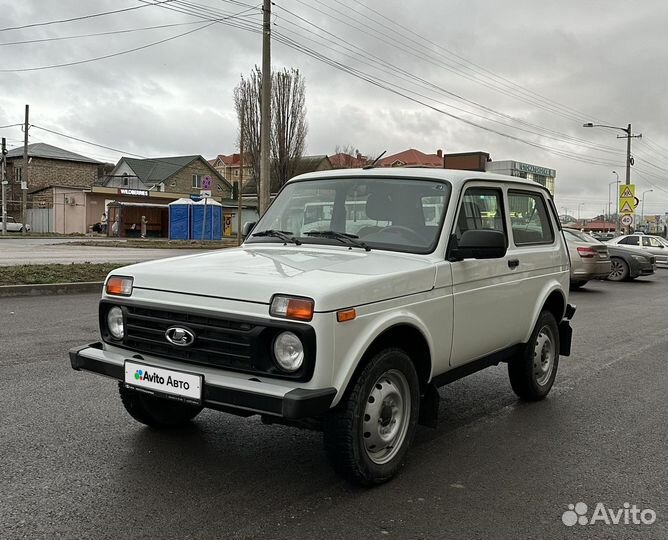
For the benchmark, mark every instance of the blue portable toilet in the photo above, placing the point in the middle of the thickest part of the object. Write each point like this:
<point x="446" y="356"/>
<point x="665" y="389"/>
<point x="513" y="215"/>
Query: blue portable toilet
<point x="209" y="226"/>
<point x="180" y="212"/>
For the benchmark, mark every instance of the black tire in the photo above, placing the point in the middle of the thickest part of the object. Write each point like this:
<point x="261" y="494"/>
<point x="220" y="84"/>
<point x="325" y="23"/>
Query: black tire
<point x="577" y="284"/>
<point x="347" y="441"/>
<point x="619" y="270"/>
<point x="528" y="372"/>
<point x="156" y="412"/>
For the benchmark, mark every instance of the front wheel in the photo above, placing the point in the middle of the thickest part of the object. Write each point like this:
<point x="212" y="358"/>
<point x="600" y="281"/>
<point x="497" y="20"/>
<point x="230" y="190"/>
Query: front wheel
<point x="533" y="372"/>
<point x="619" y="270"/>
<point x="156" y="412"/>
<point x="368" y="434"/>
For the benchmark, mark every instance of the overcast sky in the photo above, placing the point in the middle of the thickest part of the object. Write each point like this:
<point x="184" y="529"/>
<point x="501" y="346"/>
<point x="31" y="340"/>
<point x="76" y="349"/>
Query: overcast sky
<point x="533" y="71"/>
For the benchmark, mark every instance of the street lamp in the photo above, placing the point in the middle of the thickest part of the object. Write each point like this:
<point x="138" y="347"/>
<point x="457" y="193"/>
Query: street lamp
<point x="628" y="138"/>
<point x="579" y="205"/>
<point x="642" y="208"/>
<point x="616" y="200"/>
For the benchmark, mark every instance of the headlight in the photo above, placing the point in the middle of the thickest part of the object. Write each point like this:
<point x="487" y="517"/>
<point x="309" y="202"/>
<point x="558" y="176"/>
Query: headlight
<point x="288" y="351"/>
<point x="115" y="322"/>
<point x="640" y="258"/>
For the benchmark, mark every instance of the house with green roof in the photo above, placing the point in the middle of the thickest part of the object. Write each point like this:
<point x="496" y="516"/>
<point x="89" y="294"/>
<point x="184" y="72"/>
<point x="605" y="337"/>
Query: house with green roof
<point x="175" y="174"/>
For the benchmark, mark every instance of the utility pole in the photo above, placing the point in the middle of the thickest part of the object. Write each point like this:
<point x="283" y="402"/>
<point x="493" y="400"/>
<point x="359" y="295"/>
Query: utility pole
<point x="241" y="180"/>
<point x="264" y="191"/>
<point x="3" y="181"/>
<point x="25" y="175"/>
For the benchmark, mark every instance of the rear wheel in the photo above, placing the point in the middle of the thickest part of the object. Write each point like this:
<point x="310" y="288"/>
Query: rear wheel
<point x="154" y="411"/>
<point x="533" y="372"/>
<point x="619" y="270"/>
<point x="368" y="434"/>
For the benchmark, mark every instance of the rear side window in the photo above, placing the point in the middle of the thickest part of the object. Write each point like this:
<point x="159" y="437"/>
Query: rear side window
<point x="482" y="208"/>
<point x="529" y="218"/>
<point x="630" y="240"/>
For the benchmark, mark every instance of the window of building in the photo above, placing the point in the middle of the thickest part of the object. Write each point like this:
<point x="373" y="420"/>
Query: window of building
<point x="529" y="219"/>
<point x="197" y="181"/>
<point x="18" y="174"/>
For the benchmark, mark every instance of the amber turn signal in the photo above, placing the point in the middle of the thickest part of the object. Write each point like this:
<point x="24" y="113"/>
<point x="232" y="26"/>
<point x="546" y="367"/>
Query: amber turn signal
<point x="346" y="315"/>
<point x="300" y="309"/>
<point x="119" y="286"/>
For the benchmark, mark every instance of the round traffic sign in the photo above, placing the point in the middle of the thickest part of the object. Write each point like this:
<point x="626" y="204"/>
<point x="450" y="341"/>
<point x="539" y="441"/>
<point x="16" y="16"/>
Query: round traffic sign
<point x="627" y="220"/>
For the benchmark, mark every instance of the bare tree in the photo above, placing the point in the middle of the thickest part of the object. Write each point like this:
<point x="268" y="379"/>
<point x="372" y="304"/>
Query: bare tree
<point x="289" y="128"/>
<point x="247" y="103"/>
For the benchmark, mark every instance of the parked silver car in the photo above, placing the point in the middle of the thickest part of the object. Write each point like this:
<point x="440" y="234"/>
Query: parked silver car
<point x="589" y="258"/>
<point x="13" y="226"/>
<point x="646" y="242"/>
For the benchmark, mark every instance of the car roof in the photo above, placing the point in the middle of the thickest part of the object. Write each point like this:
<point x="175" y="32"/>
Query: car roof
<point x="455" y="177"/>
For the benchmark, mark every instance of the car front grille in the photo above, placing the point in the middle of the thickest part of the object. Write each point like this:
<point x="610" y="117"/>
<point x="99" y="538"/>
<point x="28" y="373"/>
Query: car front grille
<point x="229" y="342"/>
<point x="218" y="342"/>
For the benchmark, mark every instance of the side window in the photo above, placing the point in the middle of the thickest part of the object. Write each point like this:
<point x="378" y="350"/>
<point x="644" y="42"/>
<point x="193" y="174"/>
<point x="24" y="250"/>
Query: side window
<point x="529" y="218"/>
<point x="651" y="242"/>
<point x="630" y="240"/>
<point x="481" y="208"/>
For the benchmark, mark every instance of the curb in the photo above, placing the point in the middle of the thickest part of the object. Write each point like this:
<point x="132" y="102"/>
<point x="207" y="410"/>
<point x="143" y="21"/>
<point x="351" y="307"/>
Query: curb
<point x="51" y="289"/>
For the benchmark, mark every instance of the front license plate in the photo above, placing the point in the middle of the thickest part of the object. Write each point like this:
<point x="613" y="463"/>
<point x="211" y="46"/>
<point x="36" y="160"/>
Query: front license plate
<point x="154" y="379"/>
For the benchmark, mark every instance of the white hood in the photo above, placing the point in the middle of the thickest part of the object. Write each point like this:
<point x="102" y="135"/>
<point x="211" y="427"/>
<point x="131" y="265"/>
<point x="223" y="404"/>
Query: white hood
<point x="334" y="277"/>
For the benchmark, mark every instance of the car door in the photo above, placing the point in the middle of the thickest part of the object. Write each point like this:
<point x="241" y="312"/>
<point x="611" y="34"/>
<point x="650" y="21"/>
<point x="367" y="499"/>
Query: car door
<point x="484" y="290"/>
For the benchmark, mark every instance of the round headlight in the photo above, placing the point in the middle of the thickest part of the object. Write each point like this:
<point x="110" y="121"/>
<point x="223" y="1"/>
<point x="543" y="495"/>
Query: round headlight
<point x="288" y="351"/>
<point x="115" y="322"/>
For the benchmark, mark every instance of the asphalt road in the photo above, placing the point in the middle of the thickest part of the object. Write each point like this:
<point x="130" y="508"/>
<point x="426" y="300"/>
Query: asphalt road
<point x="52" y="250"/>
<point x="74" y="465"/>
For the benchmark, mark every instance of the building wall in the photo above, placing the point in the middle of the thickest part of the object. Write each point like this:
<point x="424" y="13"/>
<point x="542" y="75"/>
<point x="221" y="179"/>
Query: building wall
<point x="472" y="161"/>
<point x="47" y="172"/>
<point x="182" y="182"/>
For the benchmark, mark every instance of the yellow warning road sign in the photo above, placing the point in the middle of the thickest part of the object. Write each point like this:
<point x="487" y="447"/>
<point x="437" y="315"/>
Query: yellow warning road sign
<point x="627" y="207"/>
<point x="627" y="198"/>
<point x="627" y="191"/>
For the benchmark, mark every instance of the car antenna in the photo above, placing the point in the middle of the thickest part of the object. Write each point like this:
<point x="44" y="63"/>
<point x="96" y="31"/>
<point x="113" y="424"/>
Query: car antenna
<point x="373" y="163"/>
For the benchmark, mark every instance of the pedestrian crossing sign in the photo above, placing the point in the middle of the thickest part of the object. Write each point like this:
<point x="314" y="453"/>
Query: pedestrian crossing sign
<point x="627" y="199"/>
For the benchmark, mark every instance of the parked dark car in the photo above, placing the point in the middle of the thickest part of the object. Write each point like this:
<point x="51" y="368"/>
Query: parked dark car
<point x="626" y="263"/>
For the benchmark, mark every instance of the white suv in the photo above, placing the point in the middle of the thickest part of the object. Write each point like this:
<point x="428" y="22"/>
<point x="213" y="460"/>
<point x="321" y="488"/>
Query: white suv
<point x="355" y="296"/>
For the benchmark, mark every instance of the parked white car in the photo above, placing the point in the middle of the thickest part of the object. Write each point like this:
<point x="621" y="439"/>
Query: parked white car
<point x="309" y="324"/>
<point x="645" y="242"/>
<point x="13" y="226"/>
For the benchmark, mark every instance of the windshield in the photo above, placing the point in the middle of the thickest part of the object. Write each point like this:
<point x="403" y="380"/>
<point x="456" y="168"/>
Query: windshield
<point x="382" y="213"/>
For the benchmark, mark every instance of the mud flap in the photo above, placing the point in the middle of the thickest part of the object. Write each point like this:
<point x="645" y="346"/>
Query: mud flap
<point x="429" y="407"/>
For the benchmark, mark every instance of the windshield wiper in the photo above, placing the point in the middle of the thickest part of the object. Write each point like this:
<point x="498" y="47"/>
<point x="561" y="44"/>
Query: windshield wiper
<point x="346" y="238"/>
<point x="286" y="236"/>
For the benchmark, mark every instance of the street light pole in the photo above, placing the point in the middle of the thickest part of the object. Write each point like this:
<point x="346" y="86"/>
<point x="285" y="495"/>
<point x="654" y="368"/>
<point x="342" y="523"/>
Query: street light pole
<point x="642" y="207"/>
<point x="628" y="138"/>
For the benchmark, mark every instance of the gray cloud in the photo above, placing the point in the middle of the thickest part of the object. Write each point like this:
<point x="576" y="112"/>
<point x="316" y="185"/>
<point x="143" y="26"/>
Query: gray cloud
<point x="604" y="58"/>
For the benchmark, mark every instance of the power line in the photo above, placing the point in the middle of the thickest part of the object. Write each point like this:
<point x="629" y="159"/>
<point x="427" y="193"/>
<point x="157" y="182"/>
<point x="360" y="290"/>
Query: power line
<point x="10" y="126"/>
<point x="466" y="63"/>
<point x="91" y="16"/>
<point x="128" y="51"/>
<point x="412" y="78"/>
<point x="96" y="34"/>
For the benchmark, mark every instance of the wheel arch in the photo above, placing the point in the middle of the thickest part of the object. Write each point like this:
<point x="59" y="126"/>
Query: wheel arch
<point x="554" y="301"/>
<point x="403" y="334"/>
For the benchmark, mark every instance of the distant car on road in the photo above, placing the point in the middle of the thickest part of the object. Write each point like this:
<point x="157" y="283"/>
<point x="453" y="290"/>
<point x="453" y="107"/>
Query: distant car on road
<point x="603" y="237"/>
<point x="13" y="226"/>
<point x="646" y="242"/>
<point x="589" y="258"/>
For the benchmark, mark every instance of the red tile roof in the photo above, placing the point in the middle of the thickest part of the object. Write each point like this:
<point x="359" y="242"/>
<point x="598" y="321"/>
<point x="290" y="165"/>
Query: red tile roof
<point x="411" y="158"/>
<point x="346" y="161"/>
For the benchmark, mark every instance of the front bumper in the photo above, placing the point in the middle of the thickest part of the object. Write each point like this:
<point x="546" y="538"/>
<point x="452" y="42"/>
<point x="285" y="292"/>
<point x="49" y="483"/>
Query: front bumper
<point x="291" y="404"/>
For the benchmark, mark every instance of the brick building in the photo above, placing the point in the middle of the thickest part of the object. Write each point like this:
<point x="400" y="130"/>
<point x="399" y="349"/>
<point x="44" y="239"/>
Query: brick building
<point x="47" y="166"/>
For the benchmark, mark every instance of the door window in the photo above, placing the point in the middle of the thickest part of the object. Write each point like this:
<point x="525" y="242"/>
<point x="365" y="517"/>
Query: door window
<point x="630" y="240"/>
<point x="482" y="208"/>
<point x="529" y="218"/>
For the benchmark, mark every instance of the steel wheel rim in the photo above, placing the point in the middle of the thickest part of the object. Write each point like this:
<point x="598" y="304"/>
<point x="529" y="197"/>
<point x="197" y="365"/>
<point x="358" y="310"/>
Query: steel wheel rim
<point x="617" y="270"/>
<point x="386" y="416"/>
<point x="543" y="357"/>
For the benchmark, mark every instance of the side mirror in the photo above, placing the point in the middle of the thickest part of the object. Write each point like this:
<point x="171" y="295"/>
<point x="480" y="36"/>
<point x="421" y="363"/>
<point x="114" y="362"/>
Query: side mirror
<point x="479" y="244"/>
<point x="247" y="228"/>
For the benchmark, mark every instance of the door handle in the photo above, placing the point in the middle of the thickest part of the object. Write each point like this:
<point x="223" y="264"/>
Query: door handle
<point x="513" y="263"/>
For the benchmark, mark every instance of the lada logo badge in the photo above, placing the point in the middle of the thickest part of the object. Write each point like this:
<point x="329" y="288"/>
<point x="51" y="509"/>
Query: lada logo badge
<point x="182" y="337"/>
